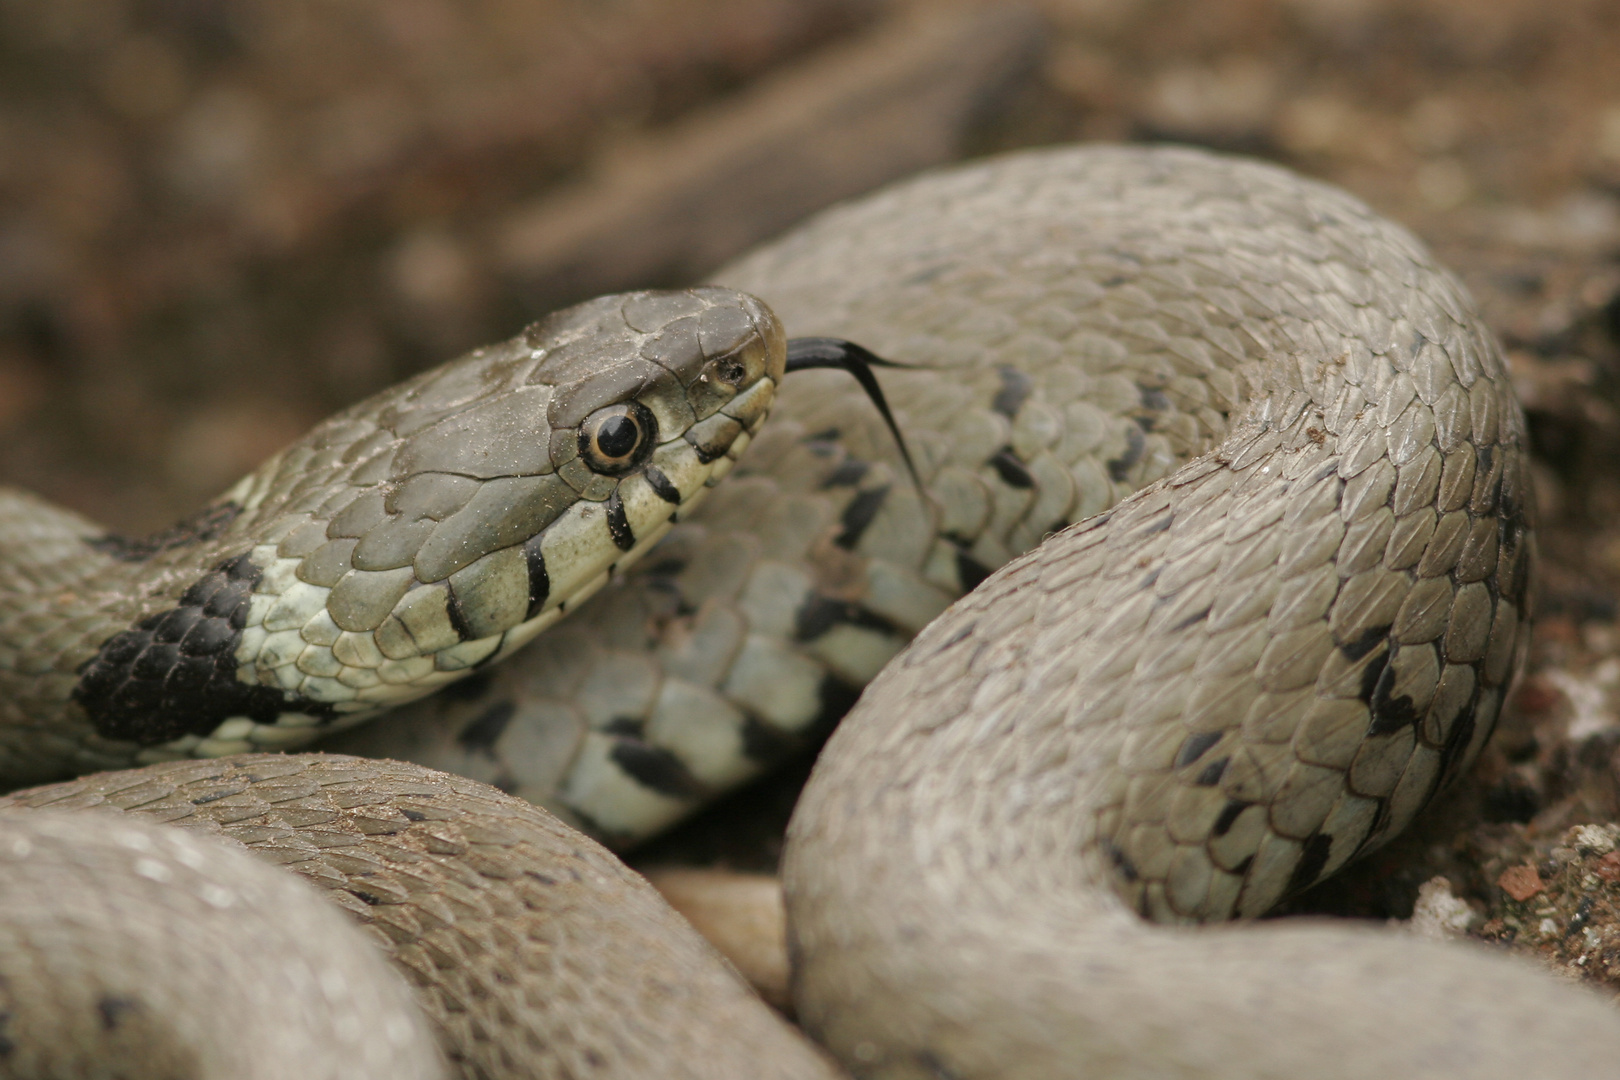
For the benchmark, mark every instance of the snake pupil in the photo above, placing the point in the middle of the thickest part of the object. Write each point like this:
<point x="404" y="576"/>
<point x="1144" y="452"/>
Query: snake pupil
<point x="617" y="436"/>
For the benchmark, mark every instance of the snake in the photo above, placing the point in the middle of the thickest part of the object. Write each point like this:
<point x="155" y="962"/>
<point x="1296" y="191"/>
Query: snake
<point x="1215" y="570"/>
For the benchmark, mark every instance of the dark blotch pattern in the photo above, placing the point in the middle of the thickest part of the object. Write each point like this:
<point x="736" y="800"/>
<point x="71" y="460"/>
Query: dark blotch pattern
<point x="662" y="486"/>
<point x="485" y="730"/>
<point x="969" y="571"/>
<point x="1135" y="446"/>
<point x="765" y="744"/>
<point x="820" y="614"/>
<point x="539" y="577"/>
<point x="1229" y="816"/>
<point x="1013" y="472"/>
<point x="1015" y="390"/>
<point x="1311" y="861"/>
<point x="1390" y="714"/>
<point x="112" y="1009"/>
<point x="624" y="537"/>
<point x="850" y="472"/>
<point x="1369" y="640"/>
<point x="174" y="673"/>
<point x="858" y="515"/>
<point x="656" y="768"/>
<point x="1194" y="747"/>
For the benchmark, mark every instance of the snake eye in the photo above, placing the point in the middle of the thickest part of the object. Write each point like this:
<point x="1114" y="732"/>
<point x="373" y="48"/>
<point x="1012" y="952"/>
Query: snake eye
<point x="616" y="439"/>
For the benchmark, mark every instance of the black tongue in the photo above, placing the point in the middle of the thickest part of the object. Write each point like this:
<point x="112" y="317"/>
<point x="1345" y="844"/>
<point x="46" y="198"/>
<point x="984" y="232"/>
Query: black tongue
<point x="826" y="352"/>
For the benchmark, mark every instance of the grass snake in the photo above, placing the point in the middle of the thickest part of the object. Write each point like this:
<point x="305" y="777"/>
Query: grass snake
<point x="1288" y="615"/>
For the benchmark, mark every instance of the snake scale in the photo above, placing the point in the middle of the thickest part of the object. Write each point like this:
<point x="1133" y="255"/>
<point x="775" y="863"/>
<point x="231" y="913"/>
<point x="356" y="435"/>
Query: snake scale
<point x="1288" y="615"/>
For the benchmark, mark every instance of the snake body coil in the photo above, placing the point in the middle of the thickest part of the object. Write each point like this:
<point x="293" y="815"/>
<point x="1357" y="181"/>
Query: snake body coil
<point x="1213" y="693"/>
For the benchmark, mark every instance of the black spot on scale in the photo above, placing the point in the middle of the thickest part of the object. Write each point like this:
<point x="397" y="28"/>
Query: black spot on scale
<point x="485" y="730"/>
<point x="819" y="614"/>
<point x="823" y="443"/>
<point x="1462" y="733"/>
<point x="112" y="1008"/>
<point x="1311" y="861"/>
<point x="209" y="523"/>
<point x="662" y="486"/>
<point x="1012" y="471"/>
<point x="1371" y="675"/>
<point x="174" y="672"/>
<point x="471" y="688"/>
<point x="1194" y="747"/>
<point x="836" y="697"/>
<point x="655" y="768"/>
<point x="1193" y="619"/>
<point x="1122" y="863"/>
<point x="1015" y="390"/>
<point x="1211" y="774"/>
<point x="457" y="617"/>
<point x="1366" y="642"/>
<point x="764" y="744"/>
<point x="849" y="473"/>
<point x="624" y="725"/>
<point x="969" y="571"/>
<point x="618" y="522"/>
<point x="369" y="899"/>
<point x="1228" y="817"/>
<point x="1390" y="714"/>
<point x="1153" y="398"/>
<point x="539" y="577"/>
<point x="858" y="515"/>
<point x="7" y="1045"/>
<point x="1135" y="447"/>
<point x="706" y="454"/>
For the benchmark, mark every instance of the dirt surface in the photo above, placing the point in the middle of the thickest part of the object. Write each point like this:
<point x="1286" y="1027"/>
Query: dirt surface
<point x="220" y="220"/>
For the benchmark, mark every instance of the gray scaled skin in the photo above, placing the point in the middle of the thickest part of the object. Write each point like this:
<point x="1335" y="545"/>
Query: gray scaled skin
<point x="134" y="951"/>
<point x="1181" y="710"/>
<point x="534" y="953"/>
<point x="396" y="548"/>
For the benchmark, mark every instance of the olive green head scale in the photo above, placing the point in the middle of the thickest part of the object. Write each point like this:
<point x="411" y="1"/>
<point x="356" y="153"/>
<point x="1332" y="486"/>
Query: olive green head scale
<point x="401" y="543"/>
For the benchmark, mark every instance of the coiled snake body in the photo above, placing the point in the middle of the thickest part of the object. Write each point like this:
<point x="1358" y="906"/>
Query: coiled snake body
<point x="1259" y="665"/>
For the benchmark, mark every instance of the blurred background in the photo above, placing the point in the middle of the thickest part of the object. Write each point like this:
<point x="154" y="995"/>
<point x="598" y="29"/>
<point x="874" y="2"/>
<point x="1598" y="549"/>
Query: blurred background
<point x="222" y="219"/>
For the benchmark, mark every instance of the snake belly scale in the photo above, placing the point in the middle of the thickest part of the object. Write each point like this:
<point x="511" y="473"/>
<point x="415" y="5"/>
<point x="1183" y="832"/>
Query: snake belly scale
<point x="1209" y="693"/>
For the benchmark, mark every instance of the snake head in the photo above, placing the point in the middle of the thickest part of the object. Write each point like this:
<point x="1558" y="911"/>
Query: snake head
<point x="435" y="527"/>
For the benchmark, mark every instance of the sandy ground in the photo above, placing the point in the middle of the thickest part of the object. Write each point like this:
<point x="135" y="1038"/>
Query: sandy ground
<point x="221" y="220"/>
